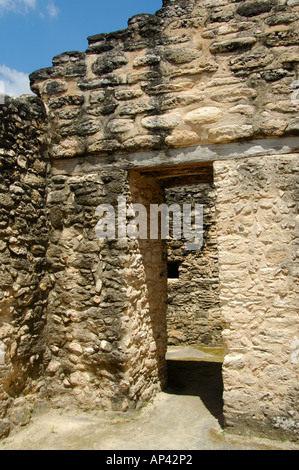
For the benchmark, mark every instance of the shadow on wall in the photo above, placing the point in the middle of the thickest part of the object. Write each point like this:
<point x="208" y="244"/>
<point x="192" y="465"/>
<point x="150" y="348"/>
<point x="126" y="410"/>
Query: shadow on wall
<point x="146" y="190"/>
<point x="198" y="378"/>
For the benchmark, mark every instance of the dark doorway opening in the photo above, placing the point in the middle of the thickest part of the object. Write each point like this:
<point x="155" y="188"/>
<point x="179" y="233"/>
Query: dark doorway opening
<point x="173" y="270"/>
<point x="198" y="378"/>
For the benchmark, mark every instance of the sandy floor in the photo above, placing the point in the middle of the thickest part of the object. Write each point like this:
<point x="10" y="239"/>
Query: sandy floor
<point x="186" y="416"/>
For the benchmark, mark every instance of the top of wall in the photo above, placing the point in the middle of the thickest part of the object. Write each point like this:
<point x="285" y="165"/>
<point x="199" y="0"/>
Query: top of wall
<point x="196" y="72"/>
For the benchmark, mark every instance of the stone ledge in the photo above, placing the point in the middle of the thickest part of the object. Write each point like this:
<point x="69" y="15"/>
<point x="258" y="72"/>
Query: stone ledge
<point x="169" y="157"/>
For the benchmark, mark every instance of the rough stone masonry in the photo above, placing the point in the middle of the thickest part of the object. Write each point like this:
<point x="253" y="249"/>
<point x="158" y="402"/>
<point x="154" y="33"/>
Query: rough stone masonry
<point x="199" y="98"/>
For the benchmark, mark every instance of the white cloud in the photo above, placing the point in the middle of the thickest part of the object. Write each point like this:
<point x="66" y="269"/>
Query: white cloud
<point x="48" y="9"/>
<point x="16" y="6"/>
<point x="53" y="11"/>
<point x="13" y="82"/>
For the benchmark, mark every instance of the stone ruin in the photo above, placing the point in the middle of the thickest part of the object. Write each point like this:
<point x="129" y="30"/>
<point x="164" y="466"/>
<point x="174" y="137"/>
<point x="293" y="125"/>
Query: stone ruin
<point x="197" y="102"/>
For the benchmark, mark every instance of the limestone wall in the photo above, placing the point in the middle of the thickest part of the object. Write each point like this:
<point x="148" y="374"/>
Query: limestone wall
<point x="196" y="72"/>
<point x="23" y="243"/>
<point x="84" y="320"/>
<point x="193" y="315"/>
<point x="257" y="220"/>
<point x="106" y="315"/>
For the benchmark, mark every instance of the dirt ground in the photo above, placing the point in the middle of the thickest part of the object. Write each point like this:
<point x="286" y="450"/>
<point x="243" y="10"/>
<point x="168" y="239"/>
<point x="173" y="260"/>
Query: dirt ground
<point x="185" y="416"/>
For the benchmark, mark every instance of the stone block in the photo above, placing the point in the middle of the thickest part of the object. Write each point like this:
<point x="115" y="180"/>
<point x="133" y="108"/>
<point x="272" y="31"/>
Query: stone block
<point x="21" y="415"/>
<point x="254" y="8"/>
<point x="181" y="55"/>
<point x="147" y="61"/>
<point x="231" y="132"/>
<point x="293" y="126"/>
<point x="5" y="427"/>
<point x="55" y="87"/>
<point x="127" y="94"/>
<point x="229" y="95"/>
<point x="231" y="45"/>
<point x="163" y="121"/>
<point x="210" y="72"/>
<point x="203" y="115"/>
<point x="108" y="63"/>
<point x="120" y="125"/>
<point x="142" y="141"/>
<point x="182" y="138"/>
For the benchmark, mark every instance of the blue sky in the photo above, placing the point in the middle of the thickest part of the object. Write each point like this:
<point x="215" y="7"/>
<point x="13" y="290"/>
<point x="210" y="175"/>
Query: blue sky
<point x="32" y="32"/>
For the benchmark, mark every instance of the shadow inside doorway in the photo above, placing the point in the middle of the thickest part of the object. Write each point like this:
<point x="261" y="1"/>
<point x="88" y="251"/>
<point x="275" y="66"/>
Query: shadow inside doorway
<point x="198" y="378"/>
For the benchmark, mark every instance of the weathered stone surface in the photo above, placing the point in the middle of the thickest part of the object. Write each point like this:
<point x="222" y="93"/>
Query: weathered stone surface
<point x="182" y="138"/>
<point x="293" y="126"/>
<point x="46" y="73"/>
<point x="97" y="97"/>
<point x="281" y="18"/>
<point x="67" y="57"/>
<point x="243" y="109"/>
<point x="251" y="61"/>
<point x="21" y="415"/>
<point x="182" y="99"/>
<point x="149" y="69"/>
<point x="5" y="427"/>
<point x="82" y="319"/>
<point x="77" y="70"/>
<point x="166" y="121"/>
<point x="120" y="125"/>
<point x="253" y="8"/>
<point x="281" y="38"/>
<point x="273" y="75"/>
<point x="137" y="77"/>
<point x="273" y="126"/>
<point x="250" y="193"/>
<point x="71" y="100"/>
<point x="203" y="115"/>
<point x="110" y="79"/>
<point x="136" y="108"/>
<point x="23" y="241"/>
<point x="193" y="314"/>
<point x="143" y="141"/>
<point x="223" y="14"/>
<point x="54" y="87"/>
<point x="108" y="63"/>
<point x="229" y="95"/>
<point x="181" y="55"/>
<point x="161" y="88"/>
<point x="127" y="94"/>
<point x="231" y="132"/>
<point x="108" y="107"/>
<point x="197" y="67"/>
<point x="148" y="60"/>
<point x="103" y="145"/>
<point x="232" y="45"/>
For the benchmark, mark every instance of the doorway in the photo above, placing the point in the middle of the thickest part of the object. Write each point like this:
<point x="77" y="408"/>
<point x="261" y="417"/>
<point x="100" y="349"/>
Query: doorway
<point x="181" y="287"/>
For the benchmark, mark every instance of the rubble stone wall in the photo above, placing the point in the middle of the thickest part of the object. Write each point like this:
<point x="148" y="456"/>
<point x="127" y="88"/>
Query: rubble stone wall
<point x="196" y="72"/>
<point x="84" y="320"/>
<point x="106" y="314"/>
<point x="257" y="220"/>
<point x="193" y="315"/>
<point x="23" y="243"/>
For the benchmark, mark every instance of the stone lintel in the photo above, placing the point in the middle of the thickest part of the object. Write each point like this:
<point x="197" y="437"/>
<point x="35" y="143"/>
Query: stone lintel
<point x="176" y="157"/>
